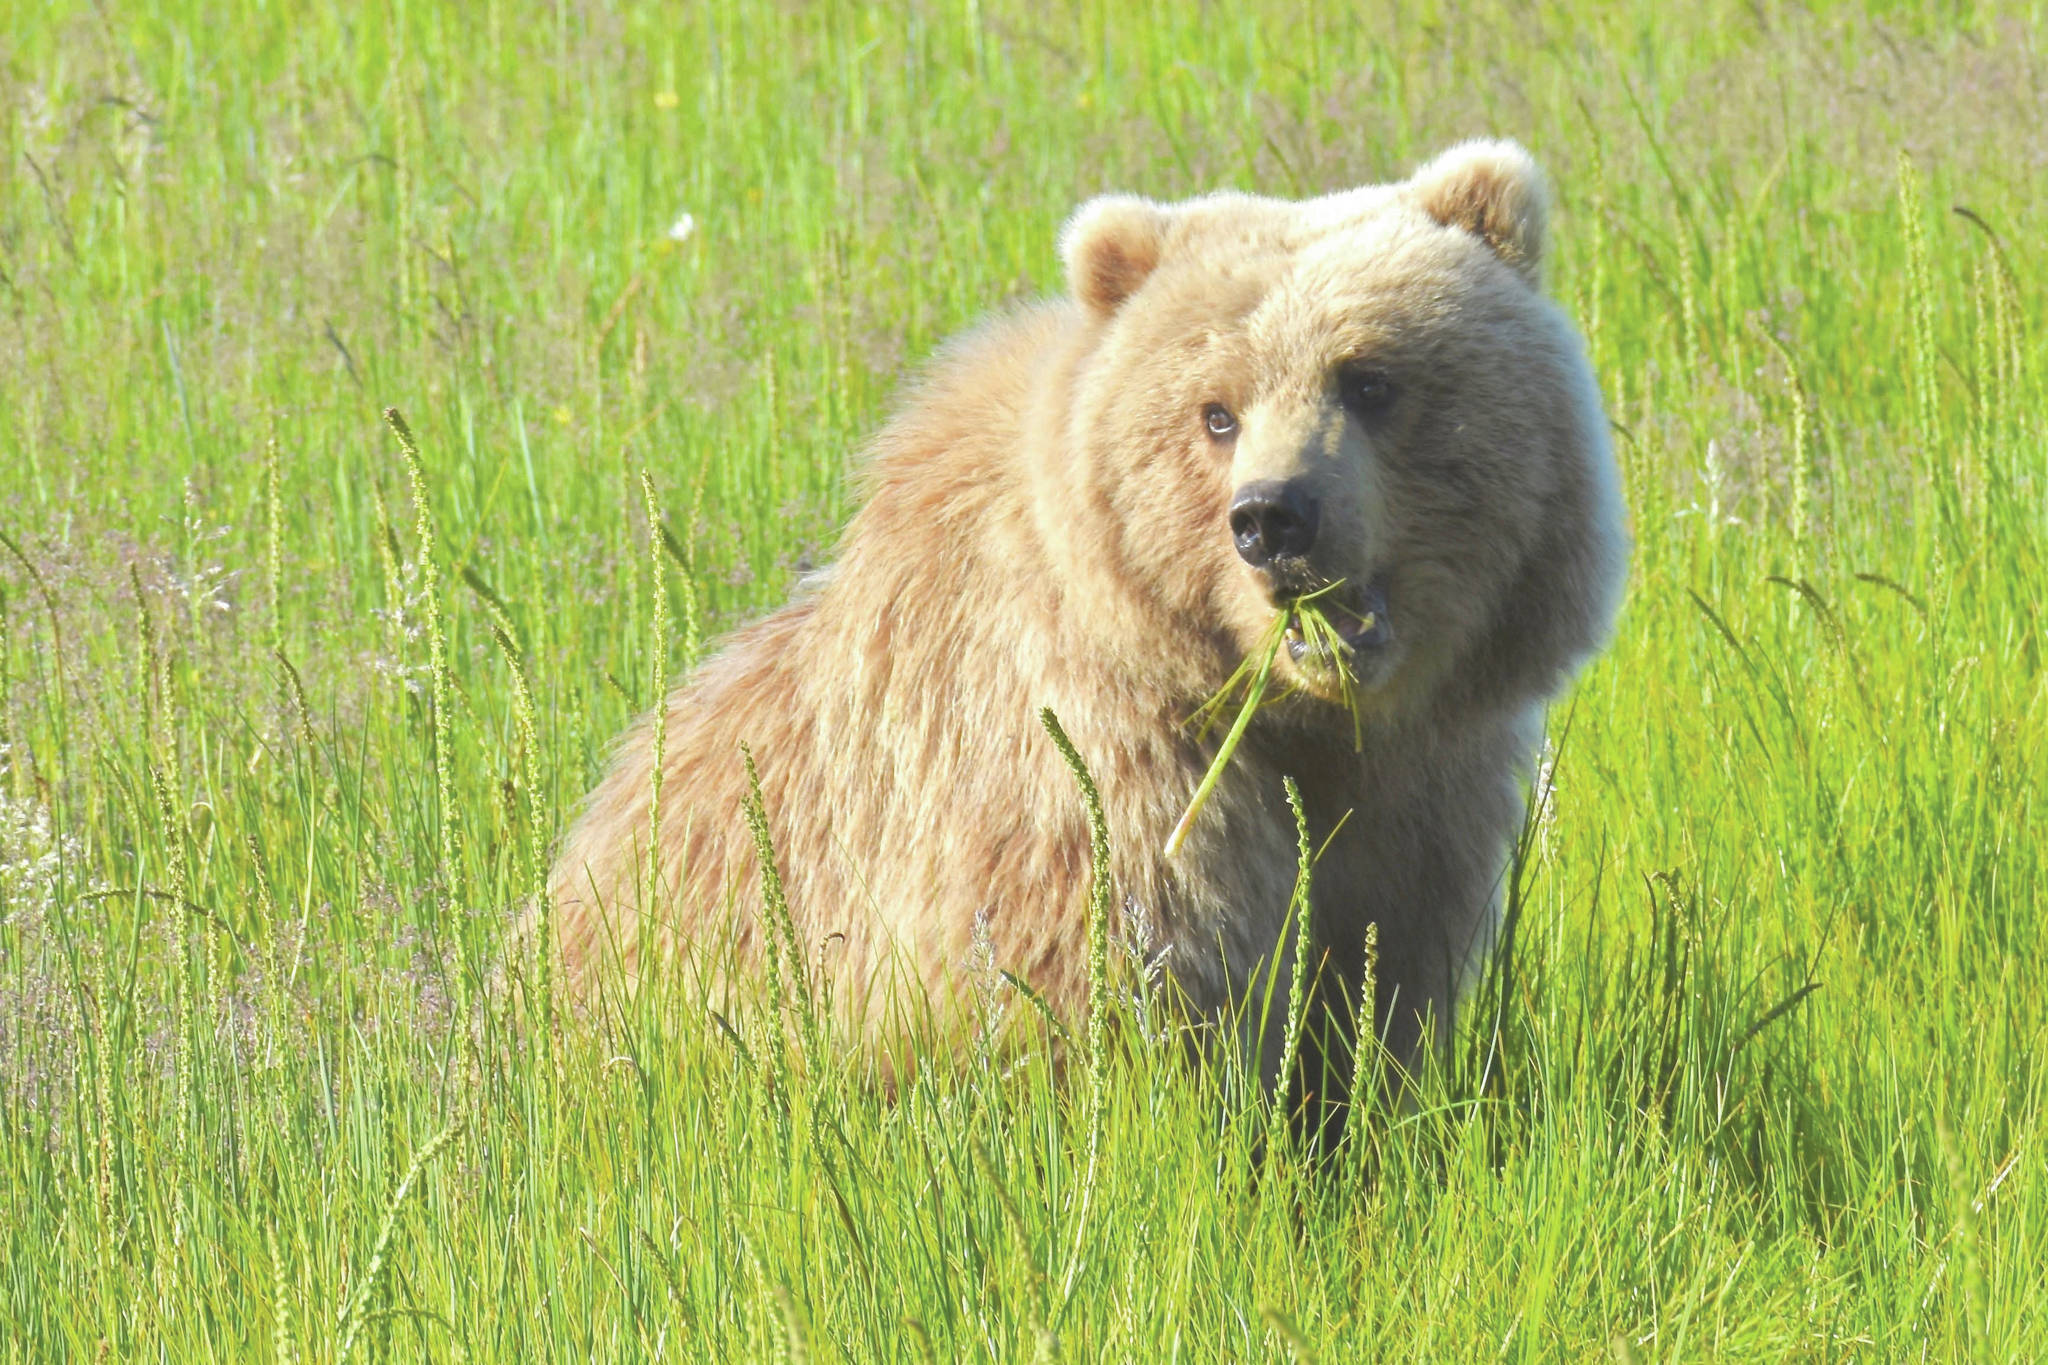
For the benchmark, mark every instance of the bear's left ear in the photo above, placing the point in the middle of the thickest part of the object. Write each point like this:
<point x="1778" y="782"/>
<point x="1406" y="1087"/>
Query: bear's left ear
<point x="1496" y="192"/>
<point x="1110" y="245"/>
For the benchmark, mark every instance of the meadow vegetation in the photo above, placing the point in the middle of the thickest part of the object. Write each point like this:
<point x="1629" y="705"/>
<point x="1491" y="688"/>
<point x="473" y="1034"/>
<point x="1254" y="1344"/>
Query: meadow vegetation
<point x="291" y="709"/>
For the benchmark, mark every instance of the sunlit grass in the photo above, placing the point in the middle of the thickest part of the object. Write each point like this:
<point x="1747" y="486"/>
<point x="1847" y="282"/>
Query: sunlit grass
<point x="291" y="711"/>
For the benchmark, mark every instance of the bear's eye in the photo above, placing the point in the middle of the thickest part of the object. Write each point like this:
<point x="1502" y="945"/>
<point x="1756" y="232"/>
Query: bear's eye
<point x="1364" y="391"/>
<point x="1222" y="423"/>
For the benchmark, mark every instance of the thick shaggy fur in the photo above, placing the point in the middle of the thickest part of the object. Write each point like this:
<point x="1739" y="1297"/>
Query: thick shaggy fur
<point x="1046" y="523"/>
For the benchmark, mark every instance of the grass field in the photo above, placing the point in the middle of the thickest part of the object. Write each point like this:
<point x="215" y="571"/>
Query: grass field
<point x="1765" y="1079"/>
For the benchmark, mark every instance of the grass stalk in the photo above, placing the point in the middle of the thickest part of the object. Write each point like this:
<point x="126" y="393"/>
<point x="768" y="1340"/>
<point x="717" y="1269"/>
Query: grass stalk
<point x="658" y="646"/>
<point x="283" y="1347"/>
<point x="442" y="704"/>
<point x="1366" y="1059"/>
<point x="1296" y="933"/>
<point x="1938" y="473"/>
<point x="356" y="1312"/>
<point x="1099" y="896"/>
<point x="438" y="680"/>
<point x="787" y="981"/>
<point x="1254" y="693"/>
<point x="1802" y="453"/>
<point x="273" y="542"/>
<point x="171" y="830"/>
<point x="387" y="560"/>
<point x="543" y="939"/>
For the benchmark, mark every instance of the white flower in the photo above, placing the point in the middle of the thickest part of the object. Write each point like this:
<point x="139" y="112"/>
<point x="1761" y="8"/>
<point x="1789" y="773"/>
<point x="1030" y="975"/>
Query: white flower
<point x="682" y="229"/>
<point x="33" y="858"/>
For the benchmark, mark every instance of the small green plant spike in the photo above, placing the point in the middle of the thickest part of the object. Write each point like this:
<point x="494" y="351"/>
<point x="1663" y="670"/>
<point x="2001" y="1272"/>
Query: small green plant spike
<point x="282" y="1347"/>
<point x="1297" y="985"/>
<point x="356" y="1312"/>
<point x="524" y="718"/>
<point x="437" y="645"/>
<point x="1802" y="451"/>
<point x="1098" y="968"/>
<point x="441" y="691"/>
<point x="387" y="563"/>
<point x="1919" y="304"/>
<point x="1364" y="1051"/>
<point x="787" y="981"/>
<point x="658" y="591"/>
<point x="273" y="542"/>
<point x="174" y="862"/>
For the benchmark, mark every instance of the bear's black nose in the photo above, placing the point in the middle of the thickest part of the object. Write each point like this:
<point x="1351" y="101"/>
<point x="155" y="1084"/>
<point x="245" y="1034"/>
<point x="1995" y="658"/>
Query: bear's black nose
<point x="1272" y="519"/>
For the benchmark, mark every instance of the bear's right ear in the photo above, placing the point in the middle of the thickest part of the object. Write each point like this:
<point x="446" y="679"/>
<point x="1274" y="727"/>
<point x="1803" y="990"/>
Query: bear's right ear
<point x="1110" y="245"/>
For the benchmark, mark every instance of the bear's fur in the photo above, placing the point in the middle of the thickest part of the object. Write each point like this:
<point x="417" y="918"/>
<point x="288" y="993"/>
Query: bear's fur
<point x="1047" y="522"/>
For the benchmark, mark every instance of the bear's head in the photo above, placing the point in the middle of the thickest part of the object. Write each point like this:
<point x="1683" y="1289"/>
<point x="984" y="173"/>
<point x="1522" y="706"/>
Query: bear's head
<point x="1369" y="390"/>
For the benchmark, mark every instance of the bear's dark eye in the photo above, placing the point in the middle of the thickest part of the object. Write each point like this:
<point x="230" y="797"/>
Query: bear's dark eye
<point x="1222" y="423"/>
<point x="1365" y="392"/>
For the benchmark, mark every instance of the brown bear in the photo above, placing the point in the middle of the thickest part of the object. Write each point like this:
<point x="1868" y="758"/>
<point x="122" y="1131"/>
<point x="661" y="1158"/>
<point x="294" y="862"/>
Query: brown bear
<point x="1099" y="504"/>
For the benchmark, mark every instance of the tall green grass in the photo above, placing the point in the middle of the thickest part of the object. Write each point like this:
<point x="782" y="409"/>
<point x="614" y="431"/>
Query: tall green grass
<point x="291" y="709"/>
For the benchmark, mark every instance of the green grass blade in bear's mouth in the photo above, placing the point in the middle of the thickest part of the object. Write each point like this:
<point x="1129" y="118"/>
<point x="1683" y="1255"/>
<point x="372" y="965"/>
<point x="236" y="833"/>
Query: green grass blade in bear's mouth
<point x="1254" y="693"/>
<point x="1307" y="615"/>
<point x="1325" y="640"/>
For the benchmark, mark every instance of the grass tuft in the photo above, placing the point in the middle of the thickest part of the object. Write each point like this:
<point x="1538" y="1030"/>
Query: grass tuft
<point x="1247" y="686"/>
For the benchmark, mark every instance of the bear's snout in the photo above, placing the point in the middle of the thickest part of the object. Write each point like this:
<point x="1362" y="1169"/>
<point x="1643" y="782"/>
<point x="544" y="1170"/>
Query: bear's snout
<point x="1273" y="519"/>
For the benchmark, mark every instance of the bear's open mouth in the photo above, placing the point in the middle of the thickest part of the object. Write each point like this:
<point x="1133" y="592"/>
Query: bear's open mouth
<point x="1359" y="616"/>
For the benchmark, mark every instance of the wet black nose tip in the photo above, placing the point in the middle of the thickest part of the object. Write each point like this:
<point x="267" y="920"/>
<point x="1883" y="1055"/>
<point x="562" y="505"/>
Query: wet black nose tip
<point x="1272" y="519"/>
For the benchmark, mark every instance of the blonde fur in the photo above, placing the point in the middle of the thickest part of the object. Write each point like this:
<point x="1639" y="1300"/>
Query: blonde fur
<point x="1045" y="523"/>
